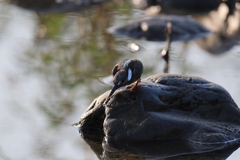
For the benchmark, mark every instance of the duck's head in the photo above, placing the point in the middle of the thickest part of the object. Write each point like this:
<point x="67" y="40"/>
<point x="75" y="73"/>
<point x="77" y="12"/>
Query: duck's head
<point x="126" y="72"/>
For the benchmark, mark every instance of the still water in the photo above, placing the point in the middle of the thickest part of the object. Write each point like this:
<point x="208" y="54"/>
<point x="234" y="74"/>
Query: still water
<point x="50" y="65"/>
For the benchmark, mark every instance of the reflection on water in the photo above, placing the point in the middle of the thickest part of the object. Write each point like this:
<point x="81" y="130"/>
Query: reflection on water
<point x="226" y="31"/>
<point x="107" y="148"/>
<point x="49" y="68"/>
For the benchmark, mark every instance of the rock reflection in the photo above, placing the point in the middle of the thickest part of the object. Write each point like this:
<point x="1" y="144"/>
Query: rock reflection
<point x="226" y="30"/>
<point x="106" y="148"/>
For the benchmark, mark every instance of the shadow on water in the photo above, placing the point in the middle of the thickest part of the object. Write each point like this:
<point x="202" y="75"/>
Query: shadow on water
<point x="107" y="148"/>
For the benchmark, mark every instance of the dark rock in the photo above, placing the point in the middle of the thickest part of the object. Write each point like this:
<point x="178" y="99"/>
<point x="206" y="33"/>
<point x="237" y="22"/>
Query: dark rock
<point x="56" y="5"/>
<point x="185" y="6"/>
<point x="197" y="5"/>
<point x="94" y="116"/>
<point x="152" y="29"/>
<point x="167" y="107"/>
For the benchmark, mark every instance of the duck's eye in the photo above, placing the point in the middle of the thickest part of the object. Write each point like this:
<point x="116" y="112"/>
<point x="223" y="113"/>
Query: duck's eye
<point x="125" y="64"/>
<point x="129" y="74"/>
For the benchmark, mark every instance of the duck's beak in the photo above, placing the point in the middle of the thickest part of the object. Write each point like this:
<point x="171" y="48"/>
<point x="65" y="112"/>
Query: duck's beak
<point x="115" y="87"/>
<point x="122" y="81"/>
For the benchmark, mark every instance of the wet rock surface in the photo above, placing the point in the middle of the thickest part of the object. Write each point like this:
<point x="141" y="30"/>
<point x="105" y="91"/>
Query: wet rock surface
<point x="152" y="29"/>
<point x="184" y="6"/>
<point x="166" y="107"/>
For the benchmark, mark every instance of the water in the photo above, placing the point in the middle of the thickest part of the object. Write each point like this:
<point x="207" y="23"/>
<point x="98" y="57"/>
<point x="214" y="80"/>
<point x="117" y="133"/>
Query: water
<point x="50" y="64"/>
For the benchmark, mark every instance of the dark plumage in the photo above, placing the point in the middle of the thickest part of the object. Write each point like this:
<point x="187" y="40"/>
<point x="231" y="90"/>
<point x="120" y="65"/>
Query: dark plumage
<point x="126" y="72"/>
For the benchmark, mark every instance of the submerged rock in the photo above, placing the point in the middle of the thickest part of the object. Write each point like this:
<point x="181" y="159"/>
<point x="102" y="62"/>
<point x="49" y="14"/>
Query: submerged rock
<point x="152" y="29"/>
<point x="166" y="107"/>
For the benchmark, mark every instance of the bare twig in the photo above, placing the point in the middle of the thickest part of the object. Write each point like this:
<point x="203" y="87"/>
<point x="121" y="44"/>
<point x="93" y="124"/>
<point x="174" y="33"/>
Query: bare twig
<point x="165" y="52"/>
